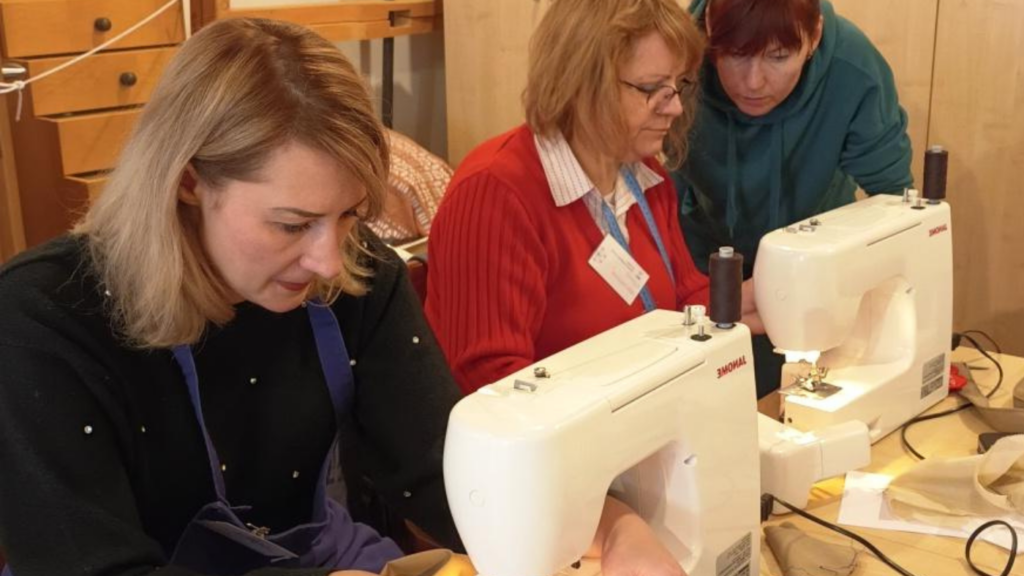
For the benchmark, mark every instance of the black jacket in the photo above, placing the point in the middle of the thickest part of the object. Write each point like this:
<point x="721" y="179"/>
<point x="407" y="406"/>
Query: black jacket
<point x="102" y="462"/>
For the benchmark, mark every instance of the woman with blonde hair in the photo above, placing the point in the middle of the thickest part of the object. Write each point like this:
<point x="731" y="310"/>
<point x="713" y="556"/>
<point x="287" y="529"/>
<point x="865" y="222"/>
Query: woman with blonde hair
<point x="174" y="372"/>
<point x="513" y="274"/>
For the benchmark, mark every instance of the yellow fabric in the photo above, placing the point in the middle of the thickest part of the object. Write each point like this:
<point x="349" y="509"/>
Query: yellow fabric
<point x="438" y="562"/>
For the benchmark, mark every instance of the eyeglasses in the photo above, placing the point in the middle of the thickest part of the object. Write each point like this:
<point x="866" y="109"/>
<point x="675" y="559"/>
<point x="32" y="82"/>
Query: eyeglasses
<point x="659" y="95"/>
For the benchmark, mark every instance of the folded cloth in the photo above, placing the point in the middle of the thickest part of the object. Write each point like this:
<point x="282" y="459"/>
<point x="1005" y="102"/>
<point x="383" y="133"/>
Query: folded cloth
<point x="801" y="555"/>
<point x="949" y="492"/>
<point x="1000" y="419"/>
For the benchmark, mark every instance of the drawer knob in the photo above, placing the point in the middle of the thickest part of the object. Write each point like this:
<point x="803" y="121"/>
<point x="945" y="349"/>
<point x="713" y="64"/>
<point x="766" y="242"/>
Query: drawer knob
<point x="128" y="79"/>
<point x="102" y="24"/>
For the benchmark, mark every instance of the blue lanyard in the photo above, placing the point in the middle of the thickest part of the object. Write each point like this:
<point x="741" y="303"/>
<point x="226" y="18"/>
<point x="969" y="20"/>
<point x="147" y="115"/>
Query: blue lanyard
<point x="616" y="232"/>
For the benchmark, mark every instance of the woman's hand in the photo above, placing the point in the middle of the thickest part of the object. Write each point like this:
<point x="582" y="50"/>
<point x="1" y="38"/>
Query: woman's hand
<point x="748" y="308"/>
<point x="627" y="546"/>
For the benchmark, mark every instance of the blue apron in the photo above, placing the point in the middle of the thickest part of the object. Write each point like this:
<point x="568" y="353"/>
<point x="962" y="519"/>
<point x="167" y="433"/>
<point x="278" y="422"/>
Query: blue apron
<point x="219" y="542"/>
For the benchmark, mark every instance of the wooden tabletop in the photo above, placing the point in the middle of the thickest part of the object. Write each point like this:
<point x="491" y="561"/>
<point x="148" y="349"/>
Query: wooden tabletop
<point x="951" y="436"/>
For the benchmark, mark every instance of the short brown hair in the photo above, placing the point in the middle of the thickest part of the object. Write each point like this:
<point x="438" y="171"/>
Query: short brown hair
<point x="575" y="54"/>
<point x="749" y="27"/>
<point x="235" y="92"/>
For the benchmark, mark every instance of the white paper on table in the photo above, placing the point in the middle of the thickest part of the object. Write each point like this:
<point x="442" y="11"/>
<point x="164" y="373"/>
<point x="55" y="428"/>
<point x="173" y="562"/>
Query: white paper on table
<point x="864" y="506"/>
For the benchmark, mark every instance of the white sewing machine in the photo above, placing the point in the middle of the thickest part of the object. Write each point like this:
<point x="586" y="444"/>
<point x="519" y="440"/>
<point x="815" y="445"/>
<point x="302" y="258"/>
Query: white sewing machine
<point x="869" y="287"/>
<point x="529" y="459"/>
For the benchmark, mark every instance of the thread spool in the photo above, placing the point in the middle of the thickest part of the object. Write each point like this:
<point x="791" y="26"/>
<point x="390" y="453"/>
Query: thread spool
<point x="726" y="270"/>
<point x="936" y="162"/>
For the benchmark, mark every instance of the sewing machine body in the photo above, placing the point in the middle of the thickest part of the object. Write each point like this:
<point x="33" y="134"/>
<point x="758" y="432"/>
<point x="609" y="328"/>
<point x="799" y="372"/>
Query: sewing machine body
<point x="870" y="287"/>
<point x="529" y="459"/>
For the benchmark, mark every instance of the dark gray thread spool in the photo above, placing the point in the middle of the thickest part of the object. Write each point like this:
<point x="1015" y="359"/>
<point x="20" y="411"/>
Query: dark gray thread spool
<point x="726" y="270"/>
<point x="936" y="163"/>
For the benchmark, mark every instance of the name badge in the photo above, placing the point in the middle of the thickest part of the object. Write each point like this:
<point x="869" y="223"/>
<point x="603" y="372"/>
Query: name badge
<point x="619" y="269"/>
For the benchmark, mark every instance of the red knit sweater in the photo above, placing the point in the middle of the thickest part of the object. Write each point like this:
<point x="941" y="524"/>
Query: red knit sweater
<point x="508" y="279"/>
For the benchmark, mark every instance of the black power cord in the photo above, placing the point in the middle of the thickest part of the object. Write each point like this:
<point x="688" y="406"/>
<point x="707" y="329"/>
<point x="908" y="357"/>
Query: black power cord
<point x="768" y="500"/>
<point x="985" y="336"/>
<point x="957" y="337"/>
<point x="1013" y="546"/>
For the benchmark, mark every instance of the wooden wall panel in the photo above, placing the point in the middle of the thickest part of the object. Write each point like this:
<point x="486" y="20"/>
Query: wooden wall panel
<point x="904" y="32"/>
<point x="976" y="114"/>
<point x="485" y="67"/>
<point x="486" y="46"/>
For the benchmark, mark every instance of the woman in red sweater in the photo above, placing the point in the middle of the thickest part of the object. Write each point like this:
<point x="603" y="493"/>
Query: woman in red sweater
<point x="511" y="280"/>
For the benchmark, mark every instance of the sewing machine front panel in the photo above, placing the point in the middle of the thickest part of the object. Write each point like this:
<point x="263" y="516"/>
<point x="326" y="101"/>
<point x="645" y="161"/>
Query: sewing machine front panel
<point x="529" y="459"/>
<point x="869" y="286"/>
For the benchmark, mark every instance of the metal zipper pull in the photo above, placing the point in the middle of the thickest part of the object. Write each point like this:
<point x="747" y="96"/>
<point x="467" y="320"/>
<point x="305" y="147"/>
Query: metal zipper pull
<point x="260" y="532"/>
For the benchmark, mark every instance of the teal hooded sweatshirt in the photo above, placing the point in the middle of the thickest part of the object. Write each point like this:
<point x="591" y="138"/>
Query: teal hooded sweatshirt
<point x="842" y="126"/>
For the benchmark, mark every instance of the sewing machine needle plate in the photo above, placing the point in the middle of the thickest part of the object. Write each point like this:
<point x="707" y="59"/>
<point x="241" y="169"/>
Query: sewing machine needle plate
<point x="821" y="390"/>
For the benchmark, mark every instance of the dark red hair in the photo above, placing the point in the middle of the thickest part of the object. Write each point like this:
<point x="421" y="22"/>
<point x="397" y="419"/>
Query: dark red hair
<point x="748" y="27"/>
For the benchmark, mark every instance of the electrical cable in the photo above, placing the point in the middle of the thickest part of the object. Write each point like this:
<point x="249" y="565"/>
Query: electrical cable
<point x="985" y="336"/>
<point x="974" y="536"/>
<point x="925" y="418"/>
<point x="767" y="501"/>
<point x="985" y="353"/>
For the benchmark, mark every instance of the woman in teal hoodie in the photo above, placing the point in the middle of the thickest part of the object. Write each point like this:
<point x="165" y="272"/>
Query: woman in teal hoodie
<point x="799" y="109"/>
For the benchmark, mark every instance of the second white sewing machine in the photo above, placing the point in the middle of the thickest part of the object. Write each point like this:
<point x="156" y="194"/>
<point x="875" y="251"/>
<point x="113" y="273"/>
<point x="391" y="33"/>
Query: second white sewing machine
<point x="529" y="459"/>
<point x="868" y="287"/>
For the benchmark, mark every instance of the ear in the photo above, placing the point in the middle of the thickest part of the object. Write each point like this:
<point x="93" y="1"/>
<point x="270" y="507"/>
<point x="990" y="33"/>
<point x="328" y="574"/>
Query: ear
<point x="817" y="34"/>
<point x="187" y="189"/>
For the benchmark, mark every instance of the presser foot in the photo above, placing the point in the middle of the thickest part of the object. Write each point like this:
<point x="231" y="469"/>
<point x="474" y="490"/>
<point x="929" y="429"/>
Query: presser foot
<point x="811" y="385"/>
<point x="820" y="391"/>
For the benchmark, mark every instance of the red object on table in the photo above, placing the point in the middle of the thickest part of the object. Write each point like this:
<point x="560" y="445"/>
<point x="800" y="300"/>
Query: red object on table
<point x="956" y="380"/>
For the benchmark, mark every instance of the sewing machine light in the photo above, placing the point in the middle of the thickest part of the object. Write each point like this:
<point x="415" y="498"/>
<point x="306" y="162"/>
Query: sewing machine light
<point x="811" y="356"/>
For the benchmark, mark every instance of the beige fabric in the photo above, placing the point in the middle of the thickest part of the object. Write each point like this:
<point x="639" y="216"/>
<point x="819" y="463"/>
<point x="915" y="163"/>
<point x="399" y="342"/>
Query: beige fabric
<point x="947" y="492"/>
<point x="430" y="563"/>
<point x="1000" y="419"/>
<point x="416" y="184"/>
<point x="801" y="555"/>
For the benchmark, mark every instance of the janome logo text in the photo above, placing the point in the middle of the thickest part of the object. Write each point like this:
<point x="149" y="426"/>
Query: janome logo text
<point x="725" y="370"/>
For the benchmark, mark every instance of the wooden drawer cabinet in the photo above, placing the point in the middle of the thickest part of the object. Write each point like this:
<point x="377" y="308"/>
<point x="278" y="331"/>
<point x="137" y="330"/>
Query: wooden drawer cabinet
<point x="107" y="80"/>
<point x="92" y="142"/>
<point x="75" y="122"/>
<point x="88" y="187"/>
<point x="44" y="27"/>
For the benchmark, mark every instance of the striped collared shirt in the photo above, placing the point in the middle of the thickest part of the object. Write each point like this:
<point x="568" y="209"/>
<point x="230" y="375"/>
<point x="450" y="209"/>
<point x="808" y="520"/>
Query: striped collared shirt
<point x="569" y="182"/>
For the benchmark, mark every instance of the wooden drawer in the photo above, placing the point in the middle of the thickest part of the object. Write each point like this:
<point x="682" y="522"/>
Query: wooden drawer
<point x="92" y="142"/>
<point x="88" y="186"/>
<point x="102" y="81"/>
<point x="45" y="27"/>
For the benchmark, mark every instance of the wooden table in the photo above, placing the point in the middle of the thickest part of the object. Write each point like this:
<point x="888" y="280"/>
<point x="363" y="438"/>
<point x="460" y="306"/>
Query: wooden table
<point x="951" y="436"/>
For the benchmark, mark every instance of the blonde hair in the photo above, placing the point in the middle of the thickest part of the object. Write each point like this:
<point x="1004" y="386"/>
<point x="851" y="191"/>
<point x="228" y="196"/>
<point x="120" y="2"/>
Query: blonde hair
<point x="575" y="55"/>
<point x="235" y="92"/>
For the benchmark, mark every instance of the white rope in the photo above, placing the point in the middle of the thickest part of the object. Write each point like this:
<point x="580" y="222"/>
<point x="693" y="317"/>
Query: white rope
<point x="19" y="85"/>
<point x="186" y="9"/>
